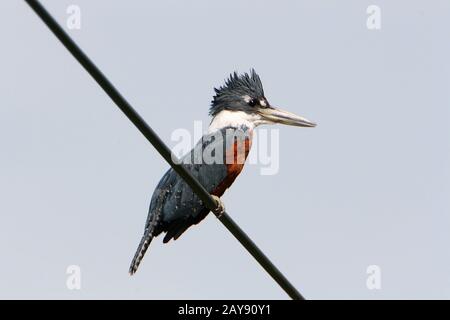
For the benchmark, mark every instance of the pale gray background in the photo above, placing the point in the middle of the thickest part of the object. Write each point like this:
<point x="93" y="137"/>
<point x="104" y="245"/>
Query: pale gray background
<point x="369" y="185"/>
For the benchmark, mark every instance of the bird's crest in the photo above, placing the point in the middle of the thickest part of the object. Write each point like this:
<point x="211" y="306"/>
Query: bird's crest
<point x="236" y="87"/>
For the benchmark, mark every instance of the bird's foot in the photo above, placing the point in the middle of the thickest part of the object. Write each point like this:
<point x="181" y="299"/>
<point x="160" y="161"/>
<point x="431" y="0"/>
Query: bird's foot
<point x="220" y="207"/>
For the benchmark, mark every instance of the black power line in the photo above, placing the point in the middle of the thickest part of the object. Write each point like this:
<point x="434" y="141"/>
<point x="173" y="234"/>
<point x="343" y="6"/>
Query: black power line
<point x="165" y="152"/>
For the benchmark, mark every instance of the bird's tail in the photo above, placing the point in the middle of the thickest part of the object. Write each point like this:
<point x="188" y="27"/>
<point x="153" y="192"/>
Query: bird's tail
<point x="142" y="248"/>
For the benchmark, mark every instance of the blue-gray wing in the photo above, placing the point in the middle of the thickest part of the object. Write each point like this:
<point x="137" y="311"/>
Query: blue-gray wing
<point x="174" y="206"/>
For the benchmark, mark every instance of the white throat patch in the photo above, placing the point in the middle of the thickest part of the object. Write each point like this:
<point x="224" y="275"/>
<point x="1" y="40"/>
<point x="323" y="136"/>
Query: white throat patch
<point x="227" y="118"/>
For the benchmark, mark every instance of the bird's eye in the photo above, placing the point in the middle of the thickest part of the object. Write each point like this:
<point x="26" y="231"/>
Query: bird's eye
<point x="252" y="102"/>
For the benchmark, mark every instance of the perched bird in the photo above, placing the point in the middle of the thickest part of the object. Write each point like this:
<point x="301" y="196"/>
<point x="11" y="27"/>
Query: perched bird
<point x="217" y="159"/>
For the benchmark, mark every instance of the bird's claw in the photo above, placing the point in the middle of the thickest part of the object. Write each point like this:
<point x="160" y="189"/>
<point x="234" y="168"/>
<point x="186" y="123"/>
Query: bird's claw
<point x="220" y="207"/>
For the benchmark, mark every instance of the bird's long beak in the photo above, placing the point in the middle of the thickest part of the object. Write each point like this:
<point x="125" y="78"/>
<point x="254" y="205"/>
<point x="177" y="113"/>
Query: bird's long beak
<point x="275" y="115"/>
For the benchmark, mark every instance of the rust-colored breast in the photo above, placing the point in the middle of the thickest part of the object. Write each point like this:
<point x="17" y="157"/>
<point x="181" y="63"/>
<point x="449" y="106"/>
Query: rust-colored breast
<point x="236" y="156"/>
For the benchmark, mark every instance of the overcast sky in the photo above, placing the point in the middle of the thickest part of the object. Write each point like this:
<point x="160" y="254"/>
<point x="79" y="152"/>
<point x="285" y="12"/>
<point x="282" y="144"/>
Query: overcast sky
<point x="368" y="187"/>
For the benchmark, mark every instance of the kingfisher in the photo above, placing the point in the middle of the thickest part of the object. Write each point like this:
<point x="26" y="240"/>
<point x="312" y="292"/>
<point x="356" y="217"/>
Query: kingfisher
<point x="237" y="108"/>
